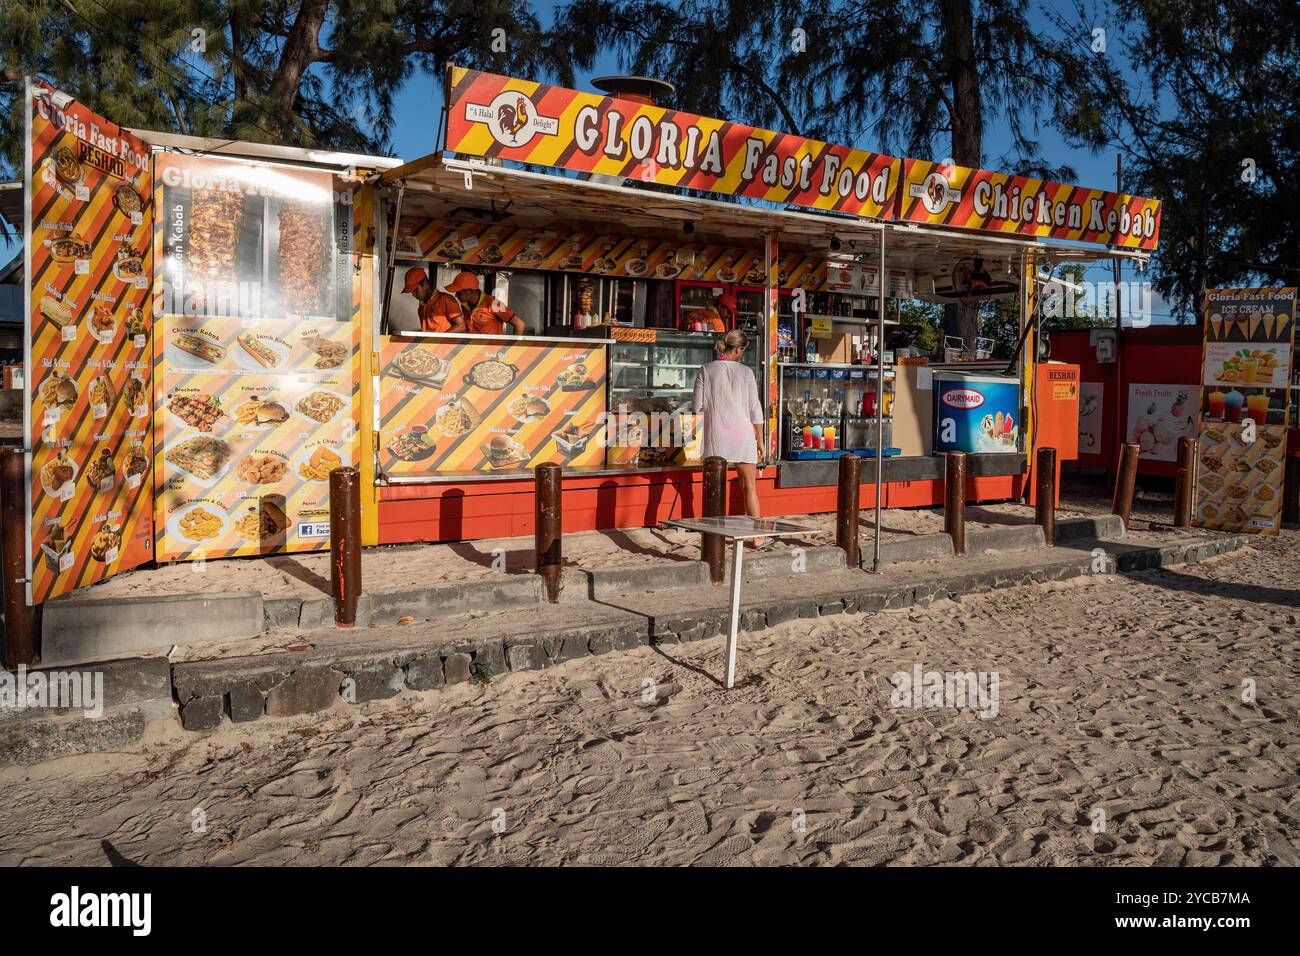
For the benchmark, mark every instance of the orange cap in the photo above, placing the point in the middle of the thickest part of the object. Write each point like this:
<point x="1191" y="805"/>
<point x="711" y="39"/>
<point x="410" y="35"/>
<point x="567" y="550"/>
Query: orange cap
<point x="414" y="276"/>
<point x="464" y="281"/>
<point x="728" y="299"/>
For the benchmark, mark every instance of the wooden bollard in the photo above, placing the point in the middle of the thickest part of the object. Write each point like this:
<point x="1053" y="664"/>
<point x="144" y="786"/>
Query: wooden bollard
<point x="548" y="529"/>
<point x="20" y="620"/>
<point x="713" y="548"/>
<point x="1122" y="504"/>
<point x="846" y="509"/>
<point x="954" y="498"/>
<point x="1291" y="490"/>
<point x="345" y="544"/>
<point x="1045" y="494"/>
<point x="1185" y="484"/>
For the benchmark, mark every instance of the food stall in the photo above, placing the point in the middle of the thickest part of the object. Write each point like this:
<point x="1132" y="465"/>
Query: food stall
<point x="605" y="255"/>
<point x="212" y="326"/>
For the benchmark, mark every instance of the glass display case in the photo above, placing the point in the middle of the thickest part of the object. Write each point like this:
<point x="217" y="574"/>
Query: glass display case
<point x="652" y="372"/>
<point x="829" y="410"/>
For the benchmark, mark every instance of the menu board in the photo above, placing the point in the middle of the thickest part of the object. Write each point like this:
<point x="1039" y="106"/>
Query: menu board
<point x="474" y="406"/>
<point x="1246" y="369"/>
<point x="87" y="344"/>
<point x="257" y="356"/>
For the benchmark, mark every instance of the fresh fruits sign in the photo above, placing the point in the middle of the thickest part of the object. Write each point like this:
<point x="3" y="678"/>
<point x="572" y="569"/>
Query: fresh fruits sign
<point x="89" y="388"/>
<point x="1246" y="370"/>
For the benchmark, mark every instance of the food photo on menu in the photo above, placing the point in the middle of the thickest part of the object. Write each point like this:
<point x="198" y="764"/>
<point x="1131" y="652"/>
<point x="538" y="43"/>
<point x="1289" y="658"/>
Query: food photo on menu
<point x="243" y="248"/>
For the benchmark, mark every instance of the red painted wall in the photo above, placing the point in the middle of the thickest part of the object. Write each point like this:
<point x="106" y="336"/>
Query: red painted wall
<point x="1157" y="355"/>
<point x="500" y="509"/>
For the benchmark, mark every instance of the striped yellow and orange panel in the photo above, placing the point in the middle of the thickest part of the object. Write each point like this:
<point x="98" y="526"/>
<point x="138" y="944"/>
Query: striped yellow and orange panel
<point x="1021" y="205"/>
<point x="89" y="361"/>
<point x="449" y="405"/>
<point x="503" y="246"/>
<point x="505" y="118"/>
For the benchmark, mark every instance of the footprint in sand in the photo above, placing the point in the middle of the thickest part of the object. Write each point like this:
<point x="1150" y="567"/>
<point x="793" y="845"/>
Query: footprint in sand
<point x="726" y="852"/>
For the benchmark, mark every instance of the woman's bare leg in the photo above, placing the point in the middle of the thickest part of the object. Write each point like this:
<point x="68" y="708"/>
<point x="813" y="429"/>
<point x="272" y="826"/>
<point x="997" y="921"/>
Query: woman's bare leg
<point x="748" y="476"/>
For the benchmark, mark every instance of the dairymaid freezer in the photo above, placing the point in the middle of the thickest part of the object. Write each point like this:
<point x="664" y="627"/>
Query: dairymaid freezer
<point x="976" y="413"/>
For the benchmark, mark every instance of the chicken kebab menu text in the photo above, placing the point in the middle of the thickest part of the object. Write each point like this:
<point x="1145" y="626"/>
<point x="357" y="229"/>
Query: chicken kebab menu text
<point x="257" y="362"/>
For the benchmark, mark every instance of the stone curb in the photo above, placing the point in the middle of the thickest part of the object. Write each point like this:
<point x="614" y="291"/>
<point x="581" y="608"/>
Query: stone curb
<point x="306" y="682"/>
<point x="78" y="630"/>
<point x="85" y="630"/>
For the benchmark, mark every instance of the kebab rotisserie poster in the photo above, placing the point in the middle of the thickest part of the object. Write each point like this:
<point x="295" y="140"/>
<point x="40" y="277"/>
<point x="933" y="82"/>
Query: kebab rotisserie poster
<point x="257" y="356"/>
<point x="486" y="406"/>
<point x="88" y="346"/>
<point x="1245" y="376"/>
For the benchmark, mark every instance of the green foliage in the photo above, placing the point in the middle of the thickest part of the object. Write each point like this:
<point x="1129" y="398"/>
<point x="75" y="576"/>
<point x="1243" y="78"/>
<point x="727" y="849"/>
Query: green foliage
<point x="303" y="72"/>
<point x="1219" y="95"/>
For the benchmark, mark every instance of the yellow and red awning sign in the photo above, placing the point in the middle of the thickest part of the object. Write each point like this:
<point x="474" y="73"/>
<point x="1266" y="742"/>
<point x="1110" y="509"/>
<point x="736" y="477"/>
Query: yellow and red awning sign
<point x="946" y="195"/>
<point x="505" y="118"/>
<point x="502" y="117"/>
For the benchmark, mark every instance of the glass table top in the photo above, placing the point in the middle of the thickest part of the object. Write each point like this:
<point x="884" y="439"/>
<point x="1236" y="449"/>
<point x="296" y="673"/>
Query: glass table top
<point x="741" y="526"/>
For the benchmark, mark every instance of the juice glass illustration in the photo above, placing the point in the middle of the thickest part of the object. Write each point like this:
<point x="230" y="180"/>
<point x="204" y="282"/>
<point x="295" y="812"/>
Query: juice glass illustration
<point x="1215" y="404"/>
<point x="1232" y="406"/>
<point x="1249" y="369"/>
<point x="1257" y="408"/>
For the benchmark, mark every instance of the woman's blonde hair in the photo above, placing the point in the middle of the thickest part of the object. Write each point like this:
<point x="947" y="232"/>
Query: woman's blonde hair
<point x="735" y="339"/>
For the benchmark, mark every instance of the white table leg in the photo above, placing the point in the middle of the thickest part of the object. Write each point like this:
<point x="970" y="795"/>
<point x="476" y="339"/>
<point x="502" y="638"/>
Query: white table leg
<point x="733" y="621"/>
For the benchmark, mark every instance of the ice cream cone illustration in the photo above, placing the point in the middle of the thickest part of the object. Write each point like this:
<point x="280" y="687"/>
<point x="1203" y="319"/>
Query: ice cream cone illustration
<point x="1268" y="324"/>
<point x="1216" y="323"/>
<point x="1254" y="325"/>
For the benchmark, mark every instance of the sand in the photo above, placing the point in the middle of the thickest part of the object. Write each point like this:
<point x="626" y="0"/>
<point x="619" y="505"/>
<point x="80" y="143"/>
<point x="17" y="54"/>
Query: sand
<point x="1120" y="700"/>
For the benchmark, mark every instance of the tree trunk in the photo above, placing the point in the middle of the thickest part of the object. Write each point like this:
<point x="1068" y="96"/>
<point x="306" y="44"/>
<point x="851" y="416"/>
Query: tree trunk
<point x="961" y="319"/>
<point x="301" y="50"/>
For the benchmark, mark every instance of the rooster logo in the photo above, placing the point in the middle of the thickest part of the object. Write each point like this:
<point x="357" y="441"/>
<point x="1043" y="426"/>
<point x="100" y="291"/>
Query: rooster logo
<point x="513" y="117"/>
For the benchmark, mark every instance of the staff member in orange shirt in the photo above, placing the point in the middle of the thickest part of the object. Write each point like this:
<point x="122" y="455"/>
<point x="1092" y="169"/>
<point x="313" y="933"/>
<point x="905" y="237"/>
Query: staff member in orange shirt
<point x="439" y="311"/>
<point x="486" y="315"/>
<point x="717" y="317"/>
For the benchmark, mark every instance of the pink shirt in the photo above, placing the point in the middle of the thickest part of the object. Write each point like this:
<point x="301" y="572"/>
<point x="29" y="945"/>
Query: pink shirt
<point x="726" y="394"/>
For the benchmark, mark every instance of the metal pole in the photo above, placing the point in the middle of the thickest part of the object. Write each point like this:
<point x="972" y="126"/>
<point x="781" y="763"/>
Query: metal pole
<point x="846" y="510"/>
<point x="548" y="528"/>
<point x="1122" y="504"/>
<point x="733" y="621"/>
<point x="1185" y="486"/>
<point x="345" y="544"/>
<point x="954" y="507"/>
<point x="1045" y="494"/>
<point x="713" y="547"/>
<point x="880" y="404"/>
<point x="21" y="645"/>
